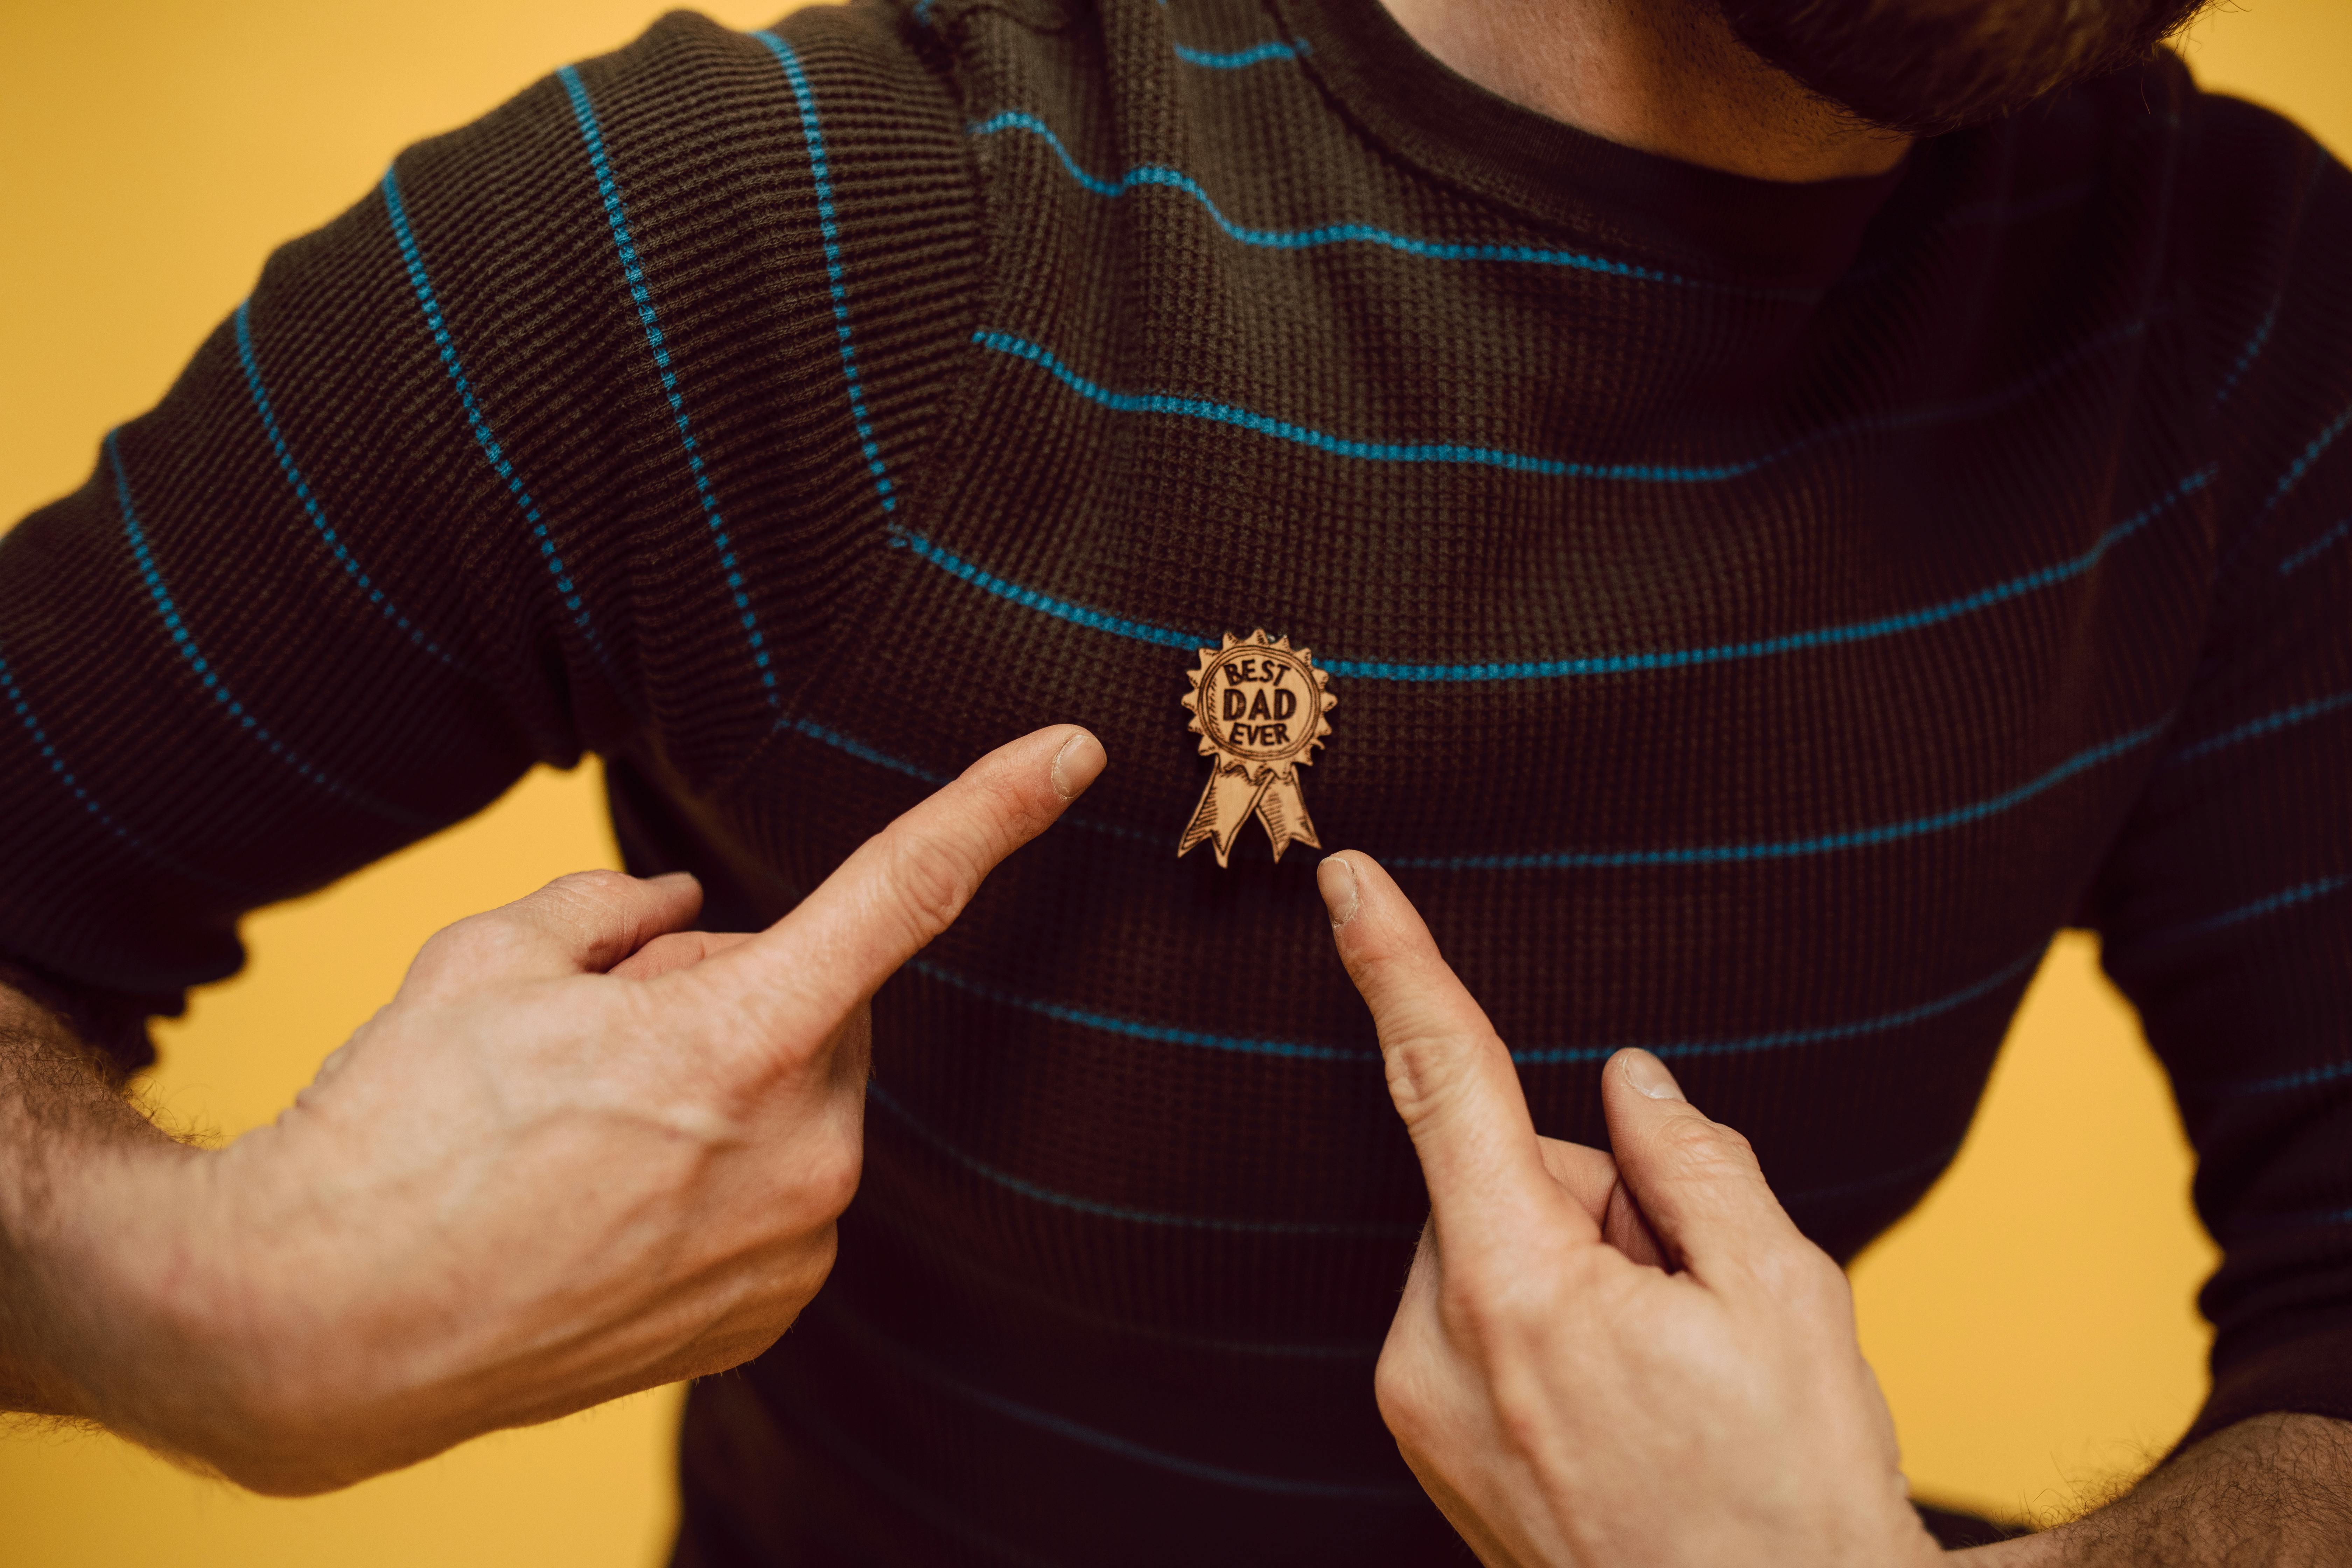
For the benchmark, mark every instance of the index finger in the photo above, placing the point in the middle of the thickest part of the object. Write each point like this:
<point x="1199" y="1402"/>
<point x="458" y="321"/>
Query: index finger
<point x="1449" y="1074"/>
<point x="908" y="882"/>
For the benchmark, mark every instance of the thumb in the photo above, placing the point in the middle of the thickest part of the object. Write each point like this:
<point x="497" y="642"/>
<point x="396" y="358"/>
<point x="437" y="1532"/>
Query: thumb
<point x="581" y="924"/>
<point x="678" y="949"/>
<point x="1696" y="1181"/>
<point x="1590" y="1178"/>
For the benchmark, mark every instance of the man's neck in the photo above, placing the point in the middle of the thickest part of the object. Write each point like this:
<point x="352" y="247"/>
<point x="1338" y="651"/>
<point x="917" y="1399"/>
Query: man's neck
<point x="1664" y="75"/>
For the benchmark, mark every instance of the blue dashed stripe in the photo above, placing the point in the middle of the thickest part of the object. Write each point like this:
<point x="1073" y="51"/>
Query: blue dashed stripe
<point x="1137" y="1029"/>
<point x="1590" y="664"/>
<point x="419" y="282"/>
<point x="861" y="751"/>
<point x="1581" y="859"/>
<point x="836" y="275"/>
<point x="2268" y="724"/>
<point x="2285" y="899"/>
<point x="856" y="748"/>
<point x="311" y="507"/>
<point x="2247" y="355"/>
<point x="13" y="695"/>
<point x="1346" y="447"/>
<point x="1028" y="1189"/>
<point x="2305" y="459"/>
<point x="810" y="1420"/>
<point x="1549" y="468"/>
<point x="835" y="1307"/>
<point x="152" y="575"/>
<point x="1046" y="604"/>
<point x="625" y="246"/>
<point x="1150" y="175"/>
<point x="2305" y="1077"/>
<point x="1794" y="642"/>
<point x="1363" y="1350"/>
<point x="1256" y="54"/>
<point x="2269" y="323"/>
<point x="2316" y="548"/>
<point x="1782" y="1039"/>
<point x="1538" y="1056"/>
<point x="2245" y="1227"/>
<point x="1794" y="848"/>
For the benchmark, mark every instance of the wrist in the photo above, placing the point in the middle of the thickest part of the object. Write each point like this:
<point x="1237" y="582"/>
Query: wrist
<point x="153" y="1315"/>
<point x="78" y="1296"/>
<point x="71" y="1146"/>
<point x="234" y="1296"/>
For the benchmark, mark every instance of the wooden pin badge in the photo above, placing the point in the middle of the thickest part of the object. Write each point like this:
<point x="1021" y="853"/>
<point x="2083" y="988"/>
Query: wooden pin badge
<point x="1257" y="704"/>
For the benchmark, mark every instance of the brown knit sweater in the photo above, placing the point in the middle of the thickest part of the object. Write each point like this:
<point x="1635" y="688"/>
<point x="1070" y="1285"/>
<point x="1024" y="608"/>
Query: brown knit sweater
<point x="1759" y="614"/>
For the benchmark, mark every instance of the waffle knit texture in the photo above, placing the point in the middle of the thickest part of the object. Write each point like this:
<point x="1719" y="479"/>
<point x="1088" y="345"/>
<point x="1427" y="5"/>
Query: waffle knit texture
<point x="1760" y="616"/>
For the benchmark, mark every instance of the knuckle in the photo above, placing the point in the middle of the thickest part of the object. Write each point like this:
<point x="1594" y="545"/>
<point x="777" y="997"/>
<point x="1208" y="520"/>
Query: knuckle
<point x="1795" y="1271"/>
<point x="1403" y="967"/>
<point x="833" y="1184"/>
<point x="474" y="932"/>
<point x="439" y="950"/>
<point x="477" y="940"/>
<point x="1706" y="1147"/>
<point x="1494" y="1312"/>
<point x="579" y="905"/>
<point x="930" y="881"/>
<point x="1373" y="949"/>
<point x="1019" y="806"/>
<point x="1401" y="1389"/>
<point x="598" y="883"/>
<point x="828" y="1178"/>
<point x="1426" y="1068"/>
<point x="1470" y="1319"/>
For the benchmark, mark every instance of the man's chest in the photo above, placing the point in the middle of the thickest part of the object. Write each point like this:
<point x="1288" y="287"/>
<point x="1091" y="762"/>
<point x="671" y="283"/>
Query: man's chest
<point x="1789" y="777"/>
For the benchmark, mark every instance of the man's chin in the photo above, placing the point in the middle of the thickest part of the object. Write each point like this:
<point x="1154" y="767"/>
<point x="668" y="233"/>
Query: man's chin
<point x="1926" y="66"/>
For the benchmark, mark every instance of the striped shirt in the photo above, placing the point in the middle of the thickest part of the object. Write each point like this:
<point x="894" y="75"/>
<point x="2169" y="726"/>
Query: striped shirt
<point x="1760" y="616"/>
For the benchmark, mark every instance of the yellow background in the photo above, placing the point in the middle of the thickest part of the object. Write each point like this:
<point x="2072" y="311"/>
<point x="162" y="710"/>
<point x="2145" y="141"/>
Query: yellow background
<point x="2032" y="1322"/>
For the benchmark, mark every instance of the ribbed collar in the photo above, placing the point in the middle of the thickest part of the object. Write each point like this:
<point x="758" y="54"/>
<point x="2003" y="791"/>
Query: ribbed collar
<point x="1762" y="231"/>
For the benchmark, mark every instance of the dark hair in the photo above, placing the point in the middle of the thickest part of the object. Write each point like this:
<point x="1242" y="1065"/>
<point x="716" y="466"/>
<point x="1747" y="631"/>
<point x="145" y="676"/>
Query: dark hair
<point x="1924" y="67"/>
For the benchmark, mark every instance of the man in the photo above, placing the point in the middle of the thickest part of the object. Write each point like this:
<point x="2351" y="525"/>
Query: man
<point x="1791" y="505"/>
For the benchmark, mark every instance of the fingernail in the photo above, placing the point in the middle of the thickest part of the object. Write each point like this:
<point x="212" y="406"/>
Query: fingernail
<point x="1077" y="764"/>
<point x="1335" y="878"/>
<point x="1648" y="1074"/>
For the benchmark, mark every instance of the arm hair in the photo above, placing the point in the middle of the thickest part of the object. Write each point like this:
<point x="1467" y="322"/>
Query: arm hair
<point x="64" y="1106"/>
<point x="2271" y="1492"/>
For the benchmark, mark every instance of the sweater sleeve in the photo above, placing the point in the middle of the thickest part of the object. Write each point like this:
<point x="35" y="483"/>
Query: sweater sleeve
<point x="541" y="448"/>
<point x="2226" y="908"/>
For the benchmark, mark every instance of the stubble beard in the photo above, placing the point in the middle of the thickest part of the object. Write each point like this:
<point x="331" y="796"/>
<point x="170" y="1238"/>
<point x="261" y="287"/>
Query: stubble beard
<point x="1926" y="66"/>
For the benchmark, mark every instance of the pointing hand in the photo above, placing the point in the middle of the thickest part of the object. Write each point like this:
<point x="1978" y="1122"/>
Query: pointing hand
<point x="583" y="1151"/>
<point x="1564" y="1398"/>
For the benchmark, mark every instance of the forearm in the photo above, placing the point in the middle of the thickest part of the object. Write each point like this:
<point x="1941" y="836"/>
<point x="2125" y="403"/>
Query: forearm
<point x="73" y="1150"/>
<point x="2274" y="1490"/>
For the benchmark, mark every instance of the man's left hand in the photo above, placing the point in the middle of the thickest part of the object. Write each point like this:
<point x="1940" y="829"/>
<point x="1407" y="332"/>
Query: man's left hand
<point x="1565" y="1399"/>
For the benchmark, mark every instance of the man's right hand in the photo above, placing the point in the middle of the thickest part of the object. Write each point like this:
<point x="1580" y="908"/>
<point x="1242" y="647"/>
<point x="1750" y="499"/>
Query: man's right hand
<point x="583" y="1151"/>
